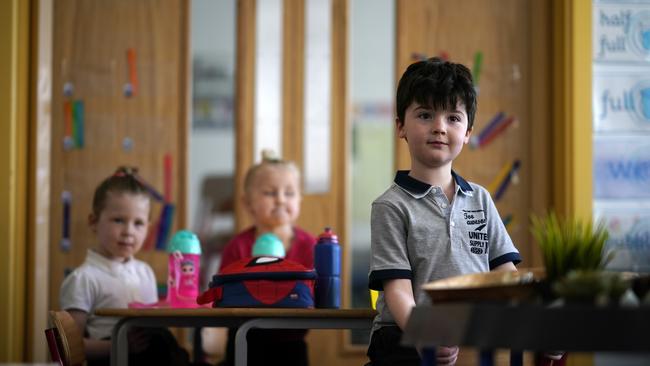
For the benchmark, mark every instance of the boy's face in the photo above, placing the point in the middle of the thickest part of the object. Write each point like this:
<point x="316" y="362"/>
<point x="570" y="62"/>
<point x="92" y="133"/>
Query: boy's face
<point x="274" y="197"/>
<point x="434" y="137"/>
<point x="122" y="225"/>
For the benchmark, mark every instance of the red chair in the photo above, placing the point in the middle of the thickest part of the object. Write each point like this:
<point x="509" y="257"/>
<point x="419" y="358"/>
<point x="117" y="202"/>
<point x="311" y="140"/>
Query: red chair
<point x="51" y="334"/>
<point x="65" y="340"/>
<point x="542" y="360"/>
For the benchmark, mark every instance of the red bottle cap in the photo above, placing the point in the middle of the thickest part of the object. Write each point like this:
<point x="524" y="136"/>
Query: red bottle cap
<point x="328" y="236"/>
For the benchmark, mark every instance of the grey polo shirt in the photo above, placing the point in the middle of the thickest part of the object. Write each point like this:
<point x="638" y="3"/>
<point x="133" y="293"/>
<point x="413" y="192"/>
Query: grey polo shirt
<point x="417" y="234"/>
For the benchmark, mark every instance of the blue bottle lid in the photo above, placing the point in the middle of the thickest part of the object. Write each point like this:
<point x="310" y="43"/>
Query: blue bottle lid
<point x="268" y="244"/>
<point x="184" y="241"/>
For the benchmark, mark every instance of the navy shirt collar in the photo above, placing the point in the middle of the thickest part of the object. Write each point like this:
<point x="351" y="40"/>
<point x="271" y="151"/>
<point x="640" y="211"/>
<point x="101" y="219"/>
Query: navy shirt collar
<point x="420" y="189"/>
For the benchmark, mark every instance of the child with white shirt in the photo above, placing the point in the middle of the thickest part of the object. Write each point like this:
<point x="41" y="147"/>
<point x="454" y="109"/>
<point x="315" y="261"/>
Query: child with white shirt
<point x="111" y="277"/>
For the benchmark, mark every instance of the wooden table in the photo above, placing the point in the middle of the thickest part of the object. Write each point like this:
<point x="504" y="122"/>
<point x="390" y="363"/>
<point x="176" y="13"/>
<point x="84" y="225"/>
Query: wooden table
<point x="243" y="318"/>
<point x="529" y="327"/>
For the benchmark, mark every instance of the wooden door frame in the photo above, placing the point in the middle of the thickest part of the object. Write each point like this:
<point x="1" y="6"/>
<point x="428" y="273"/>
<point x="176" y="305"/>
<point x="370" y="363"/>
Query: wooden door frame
<point x="39" y="185"/>
<point x="572" y="113"/>
<point x="244" y="103"/>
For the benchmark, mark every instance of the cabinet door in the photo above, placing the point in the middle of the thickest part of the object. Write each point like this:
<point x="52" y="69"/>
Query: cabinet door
<point x="100" y="50"/>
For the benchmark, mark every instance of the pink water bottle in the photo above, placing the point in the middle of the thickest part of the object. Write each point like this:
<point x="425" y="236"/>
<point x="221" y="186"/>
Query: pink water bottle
<point x="184" y="260"/>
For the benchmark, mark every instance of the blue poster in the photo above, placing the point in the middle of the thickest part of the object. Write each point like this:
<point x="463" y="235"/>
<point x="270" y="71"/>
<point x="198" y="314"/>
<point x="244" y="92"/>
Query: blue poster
<point x="621" y="167"/>
<point x="621" y="32"/>
<point x="628" y="224"/>
<point x="621" y="99"/>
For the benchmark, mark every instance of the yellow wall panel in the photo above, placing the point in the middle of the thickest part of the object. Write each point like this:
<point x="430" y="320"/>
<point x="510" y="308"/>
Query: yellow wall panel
<point x="14" y="57"/>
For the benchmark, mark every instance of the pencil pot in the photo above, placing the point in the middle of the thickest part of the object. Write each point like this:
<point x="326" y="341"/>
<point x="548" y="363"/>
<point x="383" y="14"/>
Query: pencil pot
<point x="327" y="263"/>
<point x="184" y="263"/>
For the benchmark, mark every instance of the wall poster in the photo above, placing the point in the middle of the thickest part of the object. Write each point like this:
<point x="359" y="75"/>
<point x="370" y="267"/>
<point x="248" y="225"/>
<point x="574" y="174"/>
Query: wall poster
<point x="621" y="128"/>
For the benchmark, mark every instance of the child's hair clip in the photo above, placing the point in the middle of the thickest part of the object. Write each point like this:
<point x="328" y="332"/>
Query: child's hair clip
<point x="123" y="171"/>
<point x="269" y="156"/>
<point x="132" y="172"/>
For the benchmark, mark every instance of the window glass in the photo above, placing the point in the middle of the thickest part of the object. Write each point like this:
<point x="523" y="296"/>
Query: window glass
<point x="318" y="95"/>
<point x="268" y="77"/>
<point x="372" y="89"/>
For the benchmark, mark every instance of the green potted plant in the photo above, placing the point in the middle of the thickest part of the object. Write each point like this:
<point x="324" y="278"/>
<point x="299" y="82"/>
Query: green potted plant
<point x="574" y="258"/>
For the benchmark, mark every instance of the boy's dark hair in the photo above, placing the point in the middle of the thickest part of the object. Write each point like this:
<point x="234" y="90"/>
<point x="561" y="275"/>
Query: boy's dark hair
<point x="439" y="84"/>
<point x="124" y="180"/>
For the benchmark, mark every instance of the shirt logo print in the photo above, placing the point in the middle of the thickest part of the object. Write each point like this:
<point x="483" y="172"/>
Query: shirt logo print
<point x="476" y="221"/>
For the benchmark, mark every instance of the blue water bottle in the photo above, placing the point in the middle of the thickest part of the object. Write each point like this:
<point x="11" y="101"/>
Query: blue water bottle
<point x="327" y="262"/>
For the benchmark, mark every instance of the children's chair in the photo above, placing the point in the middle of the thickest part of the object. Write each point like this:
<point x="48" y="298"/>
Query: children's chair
<point x="51" y="335"/>
<point x="69" y="341"/>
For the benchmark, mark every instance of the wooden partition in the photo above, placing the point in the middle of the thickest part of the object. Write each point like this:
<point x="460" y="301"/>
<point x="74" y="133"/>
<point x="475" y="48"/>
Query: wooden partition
<point x="100" y="50"/>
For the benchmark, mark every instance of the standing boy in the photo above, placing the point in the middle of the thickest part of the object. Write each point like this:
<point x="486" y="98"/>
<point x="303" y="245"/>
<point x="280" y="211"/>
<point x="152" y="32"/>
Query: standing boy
<point x="431" y="223"/>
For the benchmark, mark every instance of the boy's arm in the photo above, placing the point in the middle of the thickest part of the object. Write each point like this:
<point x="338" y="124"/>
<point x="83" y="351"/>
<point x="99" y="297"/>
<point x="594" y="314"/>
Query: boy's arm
<point x="94" y="348"/>
<point x="398" y="294"/>
<point x="509" y="266"/>
<point x="101" y="348"/>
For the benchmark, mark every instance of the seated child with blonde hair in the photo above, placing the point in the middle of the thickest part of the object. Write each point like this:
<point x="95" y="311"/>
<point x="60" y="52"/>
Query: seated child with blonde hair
<point x="272" y="198"/>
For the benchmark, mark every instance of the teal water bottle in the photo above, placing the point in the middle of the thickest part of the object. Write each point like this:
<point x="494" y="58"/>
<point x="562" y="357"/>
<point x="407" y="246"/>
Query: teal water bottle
<point x="327" y="262"/>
